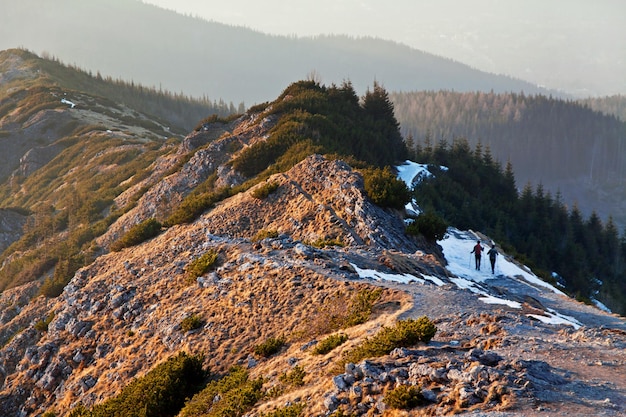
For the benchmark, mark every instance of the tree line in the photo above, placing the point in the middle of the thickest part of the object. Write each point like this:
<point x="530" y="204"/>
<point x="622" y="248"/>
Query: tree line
<point x="314" y="118"/>
<point x="179" y="109"/>
<point x="585" y="255"/>
<point x="545" y="138"/>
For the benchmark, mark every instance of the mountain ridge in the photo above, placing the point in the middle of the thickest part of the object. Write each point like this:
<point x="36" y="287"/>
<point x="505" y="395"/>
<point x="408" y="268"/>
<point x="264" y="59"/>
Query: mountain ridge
<point x="124" y="308"/>
<point x="297" y="244"/>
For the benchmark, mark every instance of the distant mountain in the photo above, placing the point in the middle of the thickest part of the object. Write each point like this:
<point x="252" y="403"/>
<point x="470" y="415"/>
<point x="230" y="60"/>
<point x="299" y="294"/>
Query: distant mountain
<point x="156" y="47"/>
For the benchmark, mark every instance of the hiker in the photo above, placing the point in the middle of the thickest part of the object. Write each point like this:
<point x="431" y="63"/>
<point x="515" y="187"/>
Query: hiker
<point x="493" y="252"/>
<point x="477" y="251"/>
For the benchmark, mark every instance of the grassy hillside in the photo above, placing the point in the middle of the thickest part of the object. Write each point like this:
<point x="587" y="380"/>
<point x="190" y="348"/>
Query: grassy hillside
<point x="71" y="198"/>
<point x="72" y="142"/>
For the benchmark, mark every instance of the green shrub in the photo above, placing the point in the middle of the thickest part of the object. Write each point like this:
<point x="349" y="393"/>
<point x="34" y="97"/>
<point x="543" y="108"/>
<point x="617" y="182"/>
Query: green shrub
<point x="265" y="234"/>
<point x="191" y="323"/>
<point x="63" y="272"/>
<point x="429" y="225"/>
<point x="322" y="243"/>
<point x="231" y="396"/>
<point x="269" y="347"/>
<point x="137" y="234"/>
<point x="195" y="204"/>
<point x="201" y="265"/>
<point x="293" y="410"/>
<point x="42" y="325"/>
<point x="384" y="189"/>
<point x="295" y="377"/>
<point x="404" y="397"/>
<point x="265" y="190"/>
<point x="329" y="344"/>
<point x="405" y="333"/>
<point x="161" y="392"/>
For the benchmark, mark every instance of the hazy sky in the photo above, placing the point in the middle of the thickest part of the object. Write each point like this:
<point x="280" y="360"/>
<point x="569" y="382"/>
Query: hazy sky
<point x="536" y="40"/>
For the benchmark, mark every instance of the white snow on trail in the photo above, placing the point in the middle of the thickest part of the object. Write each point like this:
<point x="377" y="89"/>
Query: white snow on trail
<point x="457" y="247"/>
<point x="382" y="276"/>
<point x="412" y="173"/>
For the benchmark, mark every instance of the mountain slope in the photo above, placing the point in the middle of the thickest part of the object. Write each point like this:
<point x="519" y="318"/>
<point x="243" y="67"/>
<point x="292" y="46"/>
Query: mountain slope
<point x="219" y="60"/>
<point x="299" y="247"/>
<point x="121" y="315"/>
<point x="42" y="101"/>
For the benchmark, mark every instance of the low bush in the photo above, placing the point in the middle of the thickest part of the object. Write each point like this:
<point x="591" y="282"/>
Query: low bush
<point x="231" y="396"/>
<point x="404" y="334"/>
<point x="269" y="347"/>
<point x="42" y="325"/>
<point x="329" y="344"/>
<point x="137" y="234"/>
<point x="161" y="392"/>
<point x="295" y="377"/>
<point x="404" y="397"/>
<point x="322" y="243"/>
<point x="265" y="234"/>
<point x="263" y="191"/>
<point x="384" y="189"/>
<point x="191" y="323"/>
<point x="195" y="204"/>
<point x="429" y="225"/>
<point x="201" y="265"/>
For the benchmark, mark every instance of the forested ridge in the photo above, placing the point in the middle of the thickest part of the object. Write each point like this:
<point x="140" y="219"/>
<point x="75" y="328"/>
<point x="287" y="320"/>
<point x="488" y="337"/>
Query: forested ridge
<point x="181" y="111"/>
<point x="544" y="137"/>
<point x="475" y="192"/>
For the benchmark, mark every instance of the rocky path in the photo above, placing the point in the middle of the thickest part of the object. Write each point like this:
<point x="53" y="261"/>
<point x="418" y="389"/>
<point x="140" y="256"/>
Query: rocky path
<point x="574" y="370"/>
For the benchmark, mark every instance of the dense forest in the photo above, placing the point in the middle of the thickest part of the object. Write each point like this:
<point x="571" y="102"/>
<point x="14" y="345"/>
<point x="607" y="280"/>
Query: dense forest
<point x="563" y="145"/>
<point x="586" y="256"/>
<point x="615" y="105"/>
<point x="544" y="138"/>
<point x="313" y="118"/>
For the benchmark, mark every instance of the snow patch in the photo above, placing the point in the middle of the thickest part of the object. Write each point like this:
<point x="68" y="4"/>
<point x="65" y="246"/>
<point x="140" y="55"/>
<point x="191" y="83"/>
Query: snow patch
<point x="412" y="173"/>
<point x="382" y="276"/>
<point x="72" y="104"/>
<point x="554" y="317"/>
